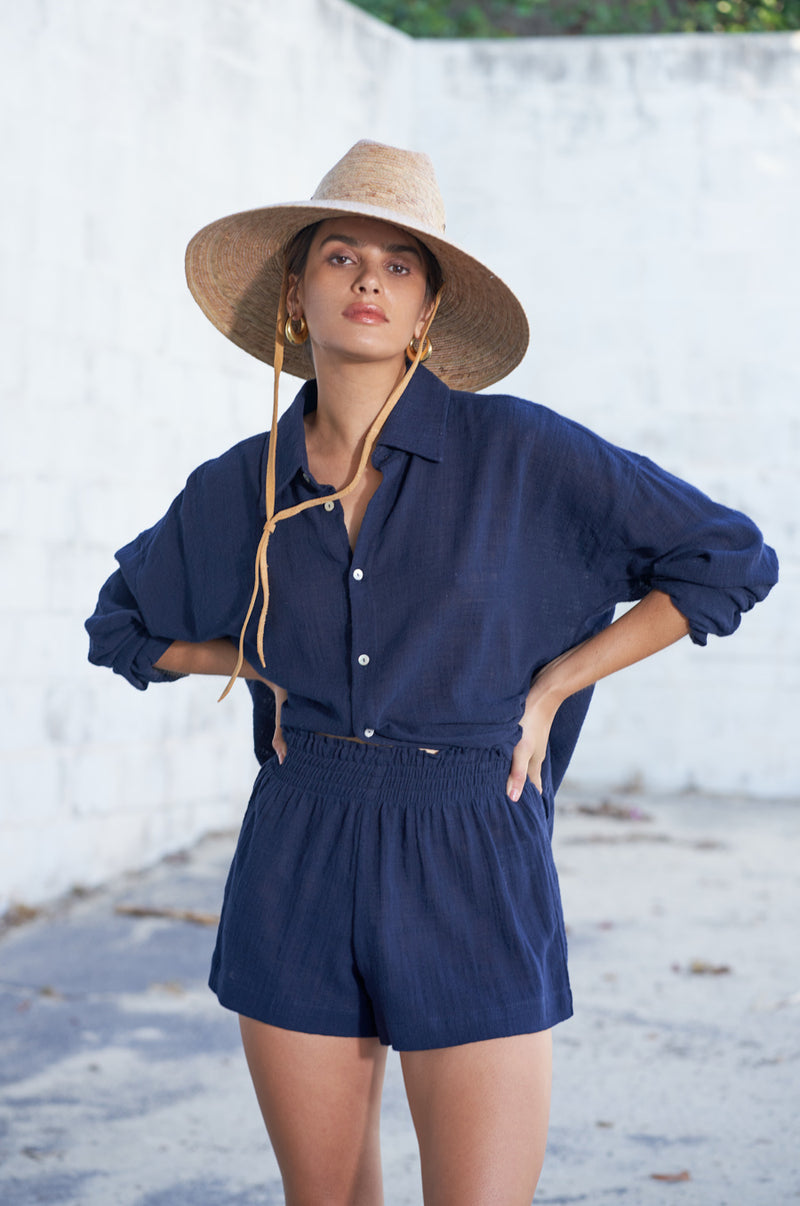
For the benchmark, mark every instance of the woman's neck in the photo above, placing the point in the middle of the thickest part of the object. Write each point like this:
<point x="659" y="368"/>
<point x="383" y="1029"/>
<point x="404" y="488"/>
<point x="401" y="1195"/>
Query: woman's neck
<point x="349" y="399"/>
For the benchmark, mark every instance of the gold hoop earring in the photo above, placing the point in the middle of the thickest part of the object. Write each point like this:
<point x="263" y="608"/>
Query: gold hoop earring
<point x="427" y="348"/>
<point x="296" y="330"/>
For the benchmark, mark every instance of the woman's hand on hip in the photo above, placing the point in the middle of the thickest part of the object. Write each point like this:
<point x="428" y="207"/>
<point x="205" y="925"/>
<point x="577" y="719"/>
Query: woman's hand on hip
<point x="278" y="743"/>
<point x="529" y="752"/>
<point x="652" y="624"/>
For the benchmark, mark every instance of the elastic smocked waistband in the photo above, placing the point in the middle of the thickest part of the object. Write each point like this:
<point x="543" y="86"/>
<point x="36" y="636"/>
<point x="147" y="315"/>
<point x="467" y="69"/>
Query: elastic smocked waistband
<point x="316" y="762"/>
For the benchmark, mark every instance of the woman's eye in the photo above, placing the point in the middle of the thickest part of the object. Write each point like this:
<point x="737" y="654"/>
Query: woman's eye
<point x="399" y="269"/>
<point x="341" y="257"/>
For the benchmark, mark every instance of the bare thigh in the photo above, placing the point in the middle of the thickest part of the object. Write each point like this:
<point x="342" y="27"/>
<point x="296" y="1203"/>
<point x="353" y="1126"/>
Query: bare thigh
<point x="481" y="1113"/>
<point x="320" y="1098"/>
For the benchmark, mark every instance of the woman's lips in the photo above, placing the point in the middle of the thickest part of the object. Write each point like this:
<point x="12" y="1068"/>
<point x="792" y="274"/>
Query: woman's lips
<point x="359" y="312"/>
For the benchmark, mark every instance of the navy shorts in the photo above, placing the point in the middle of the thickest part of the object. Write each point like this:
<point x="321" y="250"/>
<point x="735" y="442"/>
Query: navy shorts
<point x="387" y="891"/>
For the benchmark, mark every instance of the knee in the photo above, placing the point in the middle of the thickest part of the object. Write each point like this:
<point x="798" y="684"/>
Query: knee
<point x="311" y="1196"/>
<point x="329" y="1186"/>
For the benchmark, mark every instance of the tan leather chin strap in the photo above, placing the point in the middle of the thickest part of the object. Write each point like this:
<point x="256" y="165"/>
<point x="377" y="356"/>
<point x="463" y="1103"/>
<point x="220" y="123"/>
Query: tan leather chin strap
<point x="272" y="520"/>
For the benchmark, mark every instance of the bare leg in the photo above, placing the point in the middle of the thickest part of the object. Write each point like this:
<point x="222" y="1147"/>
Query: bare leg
<point x="481" y="1113"/>
<point x="320" y="1098"/>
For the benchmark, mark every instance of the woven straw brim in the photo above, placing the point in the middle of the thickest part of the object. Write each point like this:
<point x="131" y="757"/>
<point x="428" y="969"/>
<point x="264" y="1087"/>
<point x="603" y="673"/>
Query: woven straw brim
<point x="234" y="268"/>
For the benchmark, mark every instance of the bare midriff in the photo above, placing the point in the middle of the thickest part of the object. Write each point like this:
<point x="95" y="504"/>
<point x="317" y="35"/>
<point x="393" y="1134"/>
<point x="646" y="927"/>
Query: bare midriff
<point x="360" y="741"/>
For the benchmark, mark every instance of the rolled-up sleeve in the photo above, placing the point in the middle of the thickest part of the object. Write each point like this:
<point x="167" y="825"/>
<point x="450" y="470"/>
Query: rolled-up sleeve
<point x="119" y="639"/>
<point x="711" y="560"/>
<point x="182" y="578"/>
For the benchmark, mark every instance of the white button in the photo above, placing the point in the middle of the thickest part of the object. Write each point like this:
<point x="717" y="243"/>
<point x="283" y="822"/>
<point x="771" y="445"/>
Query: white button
<point x="329" y="506"/>
<point x="306" y="478"/>
<point x="369" y="732"/>
<point x="363" y="659"/>
<point x="358" y="575"/>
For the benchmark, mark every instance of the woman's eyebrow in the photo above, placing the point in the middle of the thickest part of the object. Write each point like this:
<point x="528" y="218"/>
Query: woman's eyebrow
<point x="392" y="248"/>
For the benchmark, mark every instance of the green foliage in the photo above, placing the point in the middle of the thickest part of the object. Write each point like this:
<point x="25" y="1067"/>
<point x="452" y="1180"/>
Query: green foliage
<point x="531" y="18"/>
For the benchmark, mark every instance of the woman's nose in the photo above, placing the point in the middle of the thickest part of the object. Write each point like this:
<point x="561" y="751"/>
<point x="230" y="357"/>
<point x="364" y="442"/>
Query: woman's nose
<point x="367" y="280"/>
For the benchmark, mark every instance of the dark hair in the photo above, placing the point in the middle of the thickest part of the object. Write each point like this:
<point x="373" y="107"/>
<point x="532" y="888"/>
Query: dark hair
<point x="297" y="250"/>
<point x="433" y="273"/>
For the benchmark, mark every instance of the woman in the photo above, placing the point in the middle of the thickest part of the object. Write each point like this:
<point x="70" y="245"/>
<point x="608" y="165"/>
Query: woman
<point x="437" y="574"/>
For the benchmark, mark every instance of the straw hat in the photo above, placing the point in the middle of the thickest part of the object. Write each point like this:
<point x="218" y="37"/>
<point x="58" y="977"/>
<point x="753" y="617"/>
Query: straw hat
<point x="234" y="267"/>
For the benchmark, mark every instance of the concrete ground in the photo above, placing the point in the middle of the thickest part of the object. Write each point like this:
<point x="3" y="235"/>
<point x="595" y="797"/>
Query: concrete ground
<point x="678" y="1080"/>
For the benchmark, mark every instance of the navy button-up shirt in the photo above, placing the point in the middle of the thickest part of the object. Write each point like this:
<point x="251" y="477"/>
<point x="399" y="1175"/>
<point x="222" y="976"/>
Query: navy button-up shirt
<point x="501" y="534"/>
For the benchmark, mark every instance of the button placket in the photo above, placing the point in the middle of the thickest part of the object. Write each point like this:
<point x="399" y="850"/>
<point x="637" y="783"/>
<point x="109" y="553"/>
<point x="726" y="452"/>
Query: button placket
<point x="359" y="602"/>
<point x="364" y="630"/>
<point x="363" y="638"/>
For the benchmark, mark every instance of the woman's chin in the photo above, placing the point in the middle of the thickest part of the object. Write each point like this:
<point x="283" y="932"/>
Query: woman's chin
<point x="359" y="353"/>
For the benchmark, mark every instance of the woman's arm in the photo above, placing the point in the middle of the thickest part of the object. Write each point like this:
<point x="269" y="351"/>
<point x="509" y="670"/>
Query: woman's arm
<point x="219" y="657"/>
<point x="653" y="624"/>
<point x="204" y="657"/>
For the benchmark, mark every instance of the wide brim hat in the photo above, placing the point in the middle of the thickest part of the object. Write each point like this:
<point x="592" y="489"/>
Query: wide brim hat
<point x="235" y="267"/>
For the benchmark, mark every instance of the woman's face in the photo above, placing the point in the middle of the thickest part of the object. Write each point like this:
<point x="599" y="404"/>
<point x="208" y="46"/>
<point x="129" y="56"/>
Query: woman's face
<point x="363" y="290"/>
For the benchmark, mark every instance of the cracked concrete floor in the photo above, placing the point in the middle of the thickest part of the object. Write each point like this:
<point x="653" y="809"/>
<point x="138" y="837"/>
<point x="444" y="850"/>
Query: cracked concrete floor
<point x="678" y="1080"/>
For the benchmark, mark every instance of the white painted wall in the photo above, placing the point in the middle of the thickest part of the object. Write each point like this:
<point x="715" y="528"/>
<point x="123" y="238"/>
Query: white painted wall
<point x="642" y="195"/>
<point x="125" y="128"/>
<point x="637" y="192"/>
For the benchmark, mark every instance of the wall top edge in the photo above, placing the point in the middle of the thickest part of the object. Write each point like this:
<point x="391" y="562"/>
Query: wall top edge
<point x="353" y="12"/>
<point x="786" y="40"/>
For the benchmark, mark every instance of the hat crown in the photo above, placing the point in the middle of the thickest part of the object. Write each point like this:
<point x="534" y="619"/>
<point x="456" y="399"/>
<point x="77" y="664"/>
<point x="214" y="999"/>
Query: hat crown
<point x="388" y="178"/>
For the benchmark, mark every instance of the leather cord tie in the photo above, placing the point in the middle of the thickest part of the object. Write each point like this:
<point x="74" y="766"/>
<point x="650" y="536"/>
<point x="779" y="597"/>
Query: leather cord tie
<point x="272" y="520"/>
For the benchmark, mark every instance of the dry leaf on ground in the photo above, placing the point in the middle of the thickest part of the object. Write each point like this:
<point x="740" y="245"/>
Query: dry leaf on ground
<point x="169" y="914"/>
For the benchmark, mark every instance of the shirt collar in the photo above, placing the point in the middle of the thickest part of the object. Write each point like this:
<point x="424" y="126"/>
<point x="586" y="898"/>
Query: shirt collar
<point x="290" y="457"/>
<point x="416" y="425"/>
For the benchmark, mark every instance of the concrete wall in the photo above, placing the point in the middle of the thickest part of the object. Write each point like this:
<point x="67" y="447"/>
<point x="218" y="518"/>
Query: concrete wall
<point x="642" y="194"/>
<point x="636" y="192"/>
